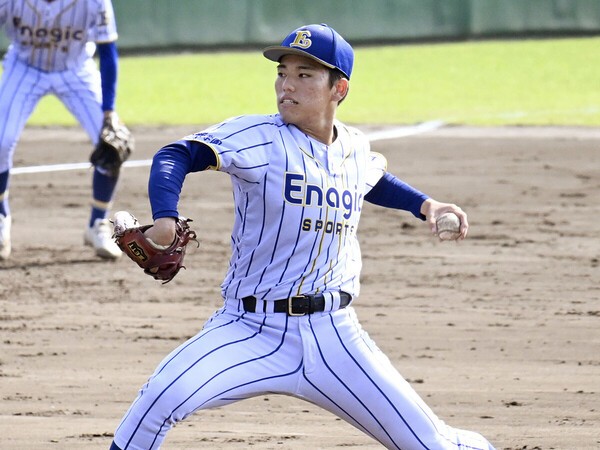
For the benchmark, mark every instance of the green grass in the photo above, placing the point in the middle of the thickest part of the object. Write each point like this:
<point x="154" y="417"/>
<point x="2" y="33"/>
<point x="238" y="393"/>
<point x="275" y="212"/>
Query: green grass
<point x="528" y="82"/>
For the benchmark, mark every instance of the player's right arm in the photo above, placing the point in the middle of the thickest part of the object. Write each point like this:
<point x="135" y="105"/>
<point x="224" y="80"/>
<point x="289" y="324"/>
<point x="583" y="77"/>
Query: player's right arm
<point x="169" y="168"/>
<point x="239" y="146"/>
<point x="162" y="232"/>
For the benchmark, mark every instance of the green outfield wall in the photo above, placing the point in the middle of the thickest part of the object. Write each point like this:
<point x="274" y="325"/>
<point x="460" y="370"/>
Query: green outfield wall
<point x="170" y="24"/>
<point x="207" y="23"/>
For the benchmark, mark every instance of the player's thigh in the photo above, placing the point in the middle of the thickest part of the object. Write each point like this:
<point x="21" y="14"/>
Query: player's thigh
<point x="232" y="358"/>
<point x="353" y="379"/>
<point x="80" y="91"/>
<point x="21" y="89"/>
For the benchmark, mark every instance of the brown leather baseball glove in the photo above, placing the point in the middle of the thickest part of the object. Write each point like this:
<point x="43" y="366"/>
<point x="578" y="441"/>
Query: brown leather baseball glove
<point x="114" y="146"/>
<point x="160" y="262"/>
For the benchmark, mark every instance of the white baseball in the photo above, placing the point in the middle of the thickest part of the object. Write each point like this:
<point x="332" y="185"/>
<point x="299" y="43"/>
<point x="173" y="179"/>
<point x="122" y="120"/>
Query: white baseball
<point x="448" y="227"/>
<point x="122" y="220"/>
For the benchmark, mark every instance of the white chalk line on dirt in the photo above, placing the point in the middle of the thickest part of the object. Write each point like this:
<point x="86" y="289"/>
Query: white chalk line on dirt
<point x="380" y="135"/>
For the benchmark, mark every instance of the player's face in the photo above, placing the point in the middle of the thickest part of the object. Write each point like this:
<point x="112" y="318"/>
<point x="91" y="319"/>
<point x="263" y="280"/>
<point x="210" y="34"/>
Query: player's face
<point x="304" y="95"/>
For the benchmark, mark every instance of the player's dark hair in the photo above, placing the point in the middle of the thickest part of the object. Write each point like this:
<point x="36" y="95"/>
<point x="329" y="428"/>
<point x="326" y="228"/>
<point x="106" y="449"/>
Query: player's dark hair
<point x="334" y="76"/>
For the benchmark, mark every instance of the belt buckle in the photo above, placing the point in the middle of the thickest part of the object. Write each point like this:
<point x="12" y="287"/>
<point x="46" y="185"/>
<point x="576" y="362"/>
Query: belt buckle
<point x="291" y="305"/>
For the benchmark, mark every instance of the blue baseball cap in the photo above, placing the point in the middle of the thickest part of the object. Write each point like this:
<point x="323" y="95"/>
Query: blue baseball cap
<point x="319" y="42"/>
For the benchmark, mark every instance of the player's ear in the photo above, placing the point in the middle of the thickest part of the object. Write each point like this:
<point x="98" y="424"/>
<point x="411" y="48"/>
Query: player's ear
<point x="341" y="88"/>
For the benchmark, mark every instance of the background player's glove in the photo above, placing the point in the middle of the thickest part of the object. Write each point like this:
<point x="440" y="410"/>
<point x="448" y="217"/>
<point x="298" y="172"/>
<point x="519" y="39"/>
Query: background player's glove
<point x="160" y="262"/>
<point x="114" y="146"/>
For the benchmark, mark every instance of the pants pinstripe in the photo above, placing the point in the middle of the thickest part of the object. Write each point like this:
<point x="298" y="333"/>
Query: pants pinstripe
<point x="325" y="358"/>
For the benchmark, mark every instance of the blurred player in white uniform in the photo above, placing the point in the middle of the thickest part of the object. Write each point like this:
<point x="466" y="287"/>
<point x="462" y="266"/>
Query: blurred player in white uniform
<point x="51" y="50"/>
<point x="287" y="326"/>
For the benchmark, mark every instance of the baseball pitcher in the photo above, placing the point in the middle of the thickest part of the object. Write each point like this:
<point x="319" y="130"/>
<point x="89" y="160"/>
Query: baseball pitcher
<point x="299" y="178"/>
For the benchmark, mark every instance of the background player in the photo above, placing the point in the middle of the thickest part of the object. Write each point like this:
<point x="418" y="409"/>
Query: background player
<point x="52" y="44"/>
<point x="287" y="325"/>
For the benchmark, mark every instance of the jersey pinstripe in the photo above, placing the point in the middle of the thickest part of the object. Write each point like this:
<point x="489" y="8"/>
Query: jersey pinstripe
<point x="58" y="35"/>
<point x="297" y="206"/>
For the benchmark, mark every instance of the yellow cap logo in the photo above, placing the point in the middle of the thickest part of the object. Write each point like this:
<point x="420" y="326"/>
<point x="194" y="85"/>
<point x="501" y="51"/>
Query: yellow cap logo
<point x="302" y="39"/>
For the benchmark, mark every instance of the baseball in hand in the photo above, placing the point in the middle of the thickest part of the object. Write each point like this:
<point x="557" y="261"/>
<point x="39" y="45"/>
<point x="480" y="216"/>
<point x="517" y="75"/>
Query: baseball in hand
<point x="448" y="227"/>
<point x="123" y="220"/>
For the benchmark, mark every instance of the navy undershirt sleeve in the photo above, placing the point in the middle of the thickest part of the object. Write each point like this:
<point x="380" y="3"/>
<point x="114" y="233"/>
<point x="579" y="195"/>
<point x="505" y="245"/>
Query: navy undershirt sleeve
<point x="108" y="56"/>
<point x="170" y="166"/>
<point x="392" y="192"/>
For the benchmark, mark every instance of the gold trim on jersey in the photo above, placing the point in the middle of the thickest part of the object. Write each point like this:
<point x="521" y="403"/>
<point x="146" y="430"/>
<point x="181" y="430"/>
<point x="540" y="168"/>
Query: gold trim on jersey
<point x="218" y="166"/>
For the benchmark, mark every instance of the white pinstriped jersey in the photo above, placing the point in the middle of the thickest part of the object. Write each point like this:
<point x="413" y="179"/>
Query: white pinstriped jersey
<point x="297" y="206"/>
<point x="56" y="36"/>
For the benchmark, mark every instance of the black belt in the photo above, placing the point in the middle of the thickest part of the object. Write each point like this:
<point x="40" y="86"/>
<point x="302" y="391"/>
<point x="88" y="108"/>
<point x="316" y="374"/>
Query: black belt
<point x="299" y="305"/>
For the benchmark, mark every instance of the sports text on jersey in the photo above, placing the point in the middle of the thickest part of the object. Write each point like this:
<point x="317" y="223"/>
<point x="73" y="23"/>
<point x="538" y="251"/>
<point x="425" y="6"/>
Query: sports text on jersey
<point x="328" y="226"/>
<point x="298" y="192"/>
<point x="45" y="37"/>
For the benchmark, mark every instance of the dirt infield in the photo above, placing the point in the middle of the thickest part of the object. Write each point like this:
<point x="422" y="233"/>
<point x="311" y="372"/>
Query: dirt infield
<point x="500" y="333"/>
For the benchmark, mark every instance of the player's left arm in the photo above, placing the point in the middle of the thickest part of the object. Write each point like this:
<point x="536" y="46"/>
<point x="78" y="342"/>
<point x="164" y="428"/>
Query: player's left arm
<point x="384" y="189"/>
<point x="109" y="68"/>
<point x="433" y="210"/>
<point x="104" y="34"/>
<point x="391" y="192"/>
<point x="115" y="142"/>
